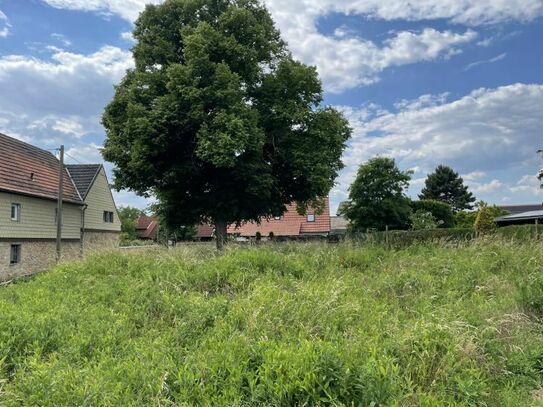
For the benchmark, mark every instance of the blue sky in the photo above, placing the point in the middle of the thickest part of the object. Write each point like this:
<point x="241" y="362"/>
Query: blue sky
<point x="456" y="82"/>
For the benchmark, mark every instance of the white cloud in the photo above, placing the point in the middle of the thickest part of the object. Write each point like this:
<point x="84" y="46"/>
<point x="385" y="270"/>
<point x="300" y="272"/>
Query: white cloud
<point x="5" y="26"/>
<point x="128" y="36"/>
<point x="491" y="186"/>
<point x="69" y="85"/>
<point x="62" y="39"/>
<point x="528" y="184"/>
<point x="486" y="61"/>
<point x="485" y="132"/>
<point x="345" y="61"/>
<point x="127" y="9"/>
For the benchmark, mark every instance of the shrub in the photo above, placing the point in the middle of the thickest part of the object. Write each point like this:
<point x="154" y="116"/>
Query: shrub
<point x="485" y="220"/>
<point x="422" y="220"/>
<point x="441" y="211"/>
<point x="465" y="219"/>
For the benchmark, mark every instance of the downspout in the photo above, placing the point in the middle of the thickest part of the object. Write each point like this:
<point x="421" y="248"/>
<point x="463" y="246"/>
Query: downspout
<point x="82" y="232"/>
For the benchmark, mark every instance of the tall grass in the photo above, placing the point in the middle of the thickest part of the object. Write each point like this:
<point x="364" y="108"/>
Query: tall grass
<point x="279" y="325"/>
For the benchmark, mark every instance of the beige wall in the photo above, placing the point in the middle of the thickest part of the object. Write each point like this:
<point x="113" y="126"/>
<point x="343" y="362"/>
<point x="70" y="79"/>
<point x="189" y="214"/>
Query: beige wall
<point x="37" y="218"/>
<point x="98" y="200"/>
<point x="36" y="256"/>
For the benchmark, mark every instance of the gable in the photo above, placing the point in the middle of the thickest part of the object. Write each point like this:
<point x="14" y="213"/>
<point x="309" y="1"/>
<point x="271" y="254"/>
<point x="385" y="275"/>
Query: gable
<point x="99" y="199"/>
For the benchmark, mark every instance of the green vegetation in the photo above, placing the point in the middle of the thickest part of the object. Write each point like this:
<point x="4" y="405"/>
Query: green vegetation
<point x="217" y="120"/>
<point x="280" y="325"/>
<point x="444" y="184"/>
<point x="441" y="211"/>
<point x="377" y="197"/>
<point x="128" y="217"/>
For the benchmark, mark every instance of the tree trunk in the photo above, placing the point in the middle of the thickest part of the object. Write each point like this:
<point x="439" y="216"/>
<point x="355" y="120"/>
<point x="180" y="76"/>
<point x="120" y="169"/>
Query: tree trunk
<point x="220" y="233"/>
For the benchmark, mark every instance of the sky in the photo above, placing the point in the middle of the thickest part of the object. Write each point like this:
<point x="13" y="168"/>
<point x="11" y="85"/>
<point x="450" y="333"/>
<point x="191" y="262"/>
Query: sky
<point x="454" y="82"/>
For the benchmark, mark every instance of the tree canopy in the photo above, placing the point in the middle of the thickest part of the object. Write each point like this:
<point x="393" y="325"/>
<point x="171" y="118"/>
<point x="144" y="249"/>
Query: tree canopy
<point x="441" y="211"/>
<point x="377" y="196"/>
<point x="444" y="184"/>
<point x="217" y="120"/>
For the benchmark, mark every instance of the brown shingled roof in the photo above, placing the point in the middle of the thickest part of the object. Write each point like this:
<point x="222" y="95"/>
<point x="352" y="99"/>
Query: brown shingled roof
<point x="29" y="170"/>
<point x="147" y="227"/>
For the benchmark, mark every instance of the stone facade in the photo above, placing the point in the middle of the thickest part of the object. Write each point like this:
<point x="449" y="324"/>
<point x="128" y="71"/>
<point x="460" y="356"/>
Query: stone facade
<point x="95" y="241"/>
<point x="40" y="255"/>
<point x="36" y="256"/>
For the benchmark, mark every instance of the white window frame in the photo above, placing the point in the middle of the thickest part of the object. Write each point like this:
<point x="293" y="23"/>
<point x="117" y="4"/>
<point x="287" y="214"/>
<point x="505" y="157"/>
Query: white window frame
<point x="15" y="209"/>
<point x="311" y="218"/>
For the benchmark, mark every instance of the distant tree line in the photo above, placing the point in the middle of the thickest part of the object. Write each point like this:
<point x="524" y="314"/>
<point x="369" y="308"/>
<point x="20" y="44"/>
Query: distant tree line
<point x="378" y="200"/>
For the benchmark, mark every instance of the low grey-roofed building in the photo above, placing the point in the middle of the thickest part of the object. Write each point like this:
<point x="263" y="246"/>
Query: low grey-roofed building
<point x="516" y="209"/>
<point x="524" y="218"/>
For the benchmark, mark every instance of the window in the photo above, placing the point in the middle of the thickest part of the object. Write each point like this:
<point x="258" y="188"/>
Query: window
<point x="311" y="217"/>
<point x="108" y="217"/>
<point x="15" y="255"/>
<point x="16" y="212"/>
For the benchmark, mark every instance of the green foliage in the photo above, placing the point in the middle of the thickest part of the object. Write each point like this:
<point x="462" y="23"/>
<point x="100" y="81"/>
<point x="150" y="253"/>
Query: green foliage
<point x="465" y="219"/>
<point x="217" y="120"/>
<point x="444" y="184"/>
<point x="484" y="222"/>
<point x="441" y="211"/>
<point x="400" y="239"/>
<point x="128" y="217"/>
<point x="422" y="220"/>
<point x="521" y="232"/>
<point x="377" y="197"/>
<point x="280" y="325"/>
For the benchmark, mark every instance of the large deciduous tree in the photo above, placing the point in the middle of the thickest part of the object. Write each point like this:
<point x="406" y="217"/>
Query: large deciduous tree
<point x="217" y="120"/>
<point x="377" y="196"/>
<point x="445" y="185"/>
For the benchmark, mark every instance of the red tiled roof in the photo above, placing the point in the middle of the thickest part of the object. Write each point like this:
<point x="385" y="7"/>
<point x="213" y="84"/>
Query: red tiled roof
<point x="146" y="227"/>
<point x="290" y="224"/>
<point x="29" y="170"/>
<point x="204" y="231"/>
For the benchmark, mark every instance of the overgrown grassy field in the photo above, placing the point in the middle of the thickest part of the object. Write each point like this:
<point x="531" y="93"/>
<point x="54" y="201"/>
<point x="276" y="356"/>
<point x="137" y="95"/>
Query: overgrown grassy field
<point x="279" y="325"/>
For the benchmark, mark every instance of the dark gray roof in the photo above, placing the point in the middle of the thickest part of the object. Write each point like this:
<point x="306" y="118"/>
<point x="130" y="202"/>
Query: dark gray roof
<point x="521" y="216"/>
<point x="83" y="176"/>
<point x="514" y="209"/>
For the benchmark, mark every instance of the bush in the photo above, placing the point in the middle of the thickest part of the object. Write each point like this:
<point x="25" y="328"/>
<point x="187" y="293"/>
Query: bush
<point x="465" y="220"/>
<point x="441" y="211"/>
<point x="520" y="232"/>
<point x="406" y="238"/>
<point x="485" y="220"/>
<point x="422" y="220"/>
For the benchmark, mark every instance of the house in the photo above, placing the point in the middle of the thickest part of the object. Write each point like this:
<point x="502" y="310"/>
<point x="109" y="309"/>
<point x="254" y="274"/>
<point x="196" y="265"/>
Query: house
<point x="28" y="209"/>
<point x="147" y="227"/>
<point x="290" y="225"/>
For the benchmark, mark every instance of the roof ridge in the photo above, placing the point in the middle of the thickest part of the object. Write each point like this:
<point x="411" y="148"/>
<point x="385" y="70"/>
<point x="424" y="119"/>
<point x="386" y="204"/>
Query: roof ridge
<point x="33" y="147"/>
